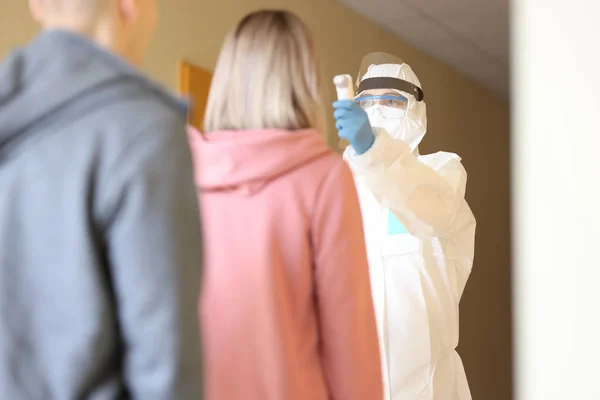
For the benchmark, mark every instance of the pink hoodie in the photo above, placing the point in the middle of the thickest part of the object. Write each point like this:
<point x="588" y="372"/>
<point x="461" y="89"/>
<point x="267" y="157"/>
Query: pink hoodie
<point x="286" y="308"/>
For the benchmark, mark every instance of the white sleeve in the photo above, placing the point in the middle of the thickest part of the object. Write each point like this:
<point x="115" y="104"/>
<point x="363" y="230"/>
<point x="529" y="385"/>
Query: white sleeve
<point x="426" y="199"/>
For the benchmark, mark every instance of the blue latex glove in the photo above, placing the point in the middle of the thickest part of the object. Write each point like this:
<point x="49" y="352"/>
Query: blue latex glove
<point x="352" y="124"/>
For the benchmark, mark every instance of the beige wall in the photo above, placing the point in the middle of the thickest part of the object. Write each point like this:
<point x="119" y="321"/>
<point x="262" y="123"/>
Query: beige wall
<point x="464" y="118"/>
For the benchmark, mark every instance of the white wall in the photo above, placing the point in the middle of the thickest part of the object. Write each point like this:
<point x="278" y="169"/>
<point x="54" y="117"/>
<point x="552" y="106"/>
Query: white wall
<point x="556" y="176"/>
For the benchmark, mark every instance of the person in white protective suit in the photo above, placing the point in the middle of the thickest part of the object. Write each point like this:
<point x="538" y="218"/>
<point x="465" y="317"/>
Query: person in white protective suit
<point x="419" y="230"/>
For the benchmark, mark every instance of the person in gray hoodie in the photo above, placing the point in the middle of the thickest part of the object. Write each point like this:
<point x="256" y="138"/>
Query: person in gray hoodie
<point x="99" y="237"/>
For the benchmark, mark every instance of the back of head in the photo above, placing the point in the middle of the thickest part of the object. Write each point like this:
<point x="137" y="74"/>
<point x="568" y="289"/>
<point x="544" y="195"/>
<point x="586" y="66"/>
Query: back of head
<point x="266" y="77"/>
<point x="81" y="6"/>
<point x="124" y="27"/>
<point x="75" y="14"/>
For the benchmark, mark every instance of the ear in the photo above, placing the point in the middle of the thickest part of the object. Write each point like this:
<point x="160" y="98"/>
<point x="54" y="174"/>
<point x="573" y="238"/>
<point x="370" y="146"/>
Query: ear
<point x="36" y="8"/>
<point x="129" y="9"/>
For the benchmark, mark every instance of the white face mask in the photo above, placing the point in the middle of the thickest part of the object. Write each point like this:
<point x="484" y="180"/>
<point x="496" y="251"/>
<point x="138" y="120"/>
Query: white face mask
<point x="396" y="124"/>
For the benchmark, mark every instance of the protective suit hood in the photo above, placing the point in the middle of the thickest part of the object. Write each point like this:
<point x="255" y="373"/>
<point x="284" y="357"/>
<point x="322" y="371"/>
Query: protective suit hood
<point x="244" y="161"/>
<point x="412" y="128"/>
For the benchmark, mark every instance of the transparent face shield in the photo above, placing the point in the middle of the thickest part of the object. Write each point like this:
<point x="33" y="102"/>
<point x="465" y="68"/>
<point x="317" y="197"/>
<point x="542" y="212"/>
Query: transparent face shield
<point x="375" y="59"/>
<point x="386" y="79"/>
<point x="384" y="87"/>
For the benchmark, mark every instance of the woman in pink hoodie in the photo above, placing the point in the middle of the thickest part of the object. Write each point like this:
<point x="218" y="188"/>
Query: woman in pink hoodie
<point x="286" y="307"/>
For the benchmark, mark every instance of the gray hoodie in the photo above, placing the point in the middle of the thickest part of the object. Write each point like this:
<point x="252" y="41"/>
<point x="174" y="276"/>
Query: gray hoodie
<point x="100" y="248"/>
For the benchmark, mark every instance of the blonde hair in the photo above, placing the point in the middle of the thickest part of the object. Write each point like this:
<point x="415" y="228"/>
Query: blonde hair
<point x="266" y="77"/>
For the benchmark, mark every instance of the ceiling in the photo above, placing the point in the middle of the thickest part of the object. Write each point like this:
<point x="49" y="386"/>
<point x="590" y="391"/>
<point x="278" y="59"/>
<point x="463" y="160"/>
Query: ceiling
<point x="470" y="35"/>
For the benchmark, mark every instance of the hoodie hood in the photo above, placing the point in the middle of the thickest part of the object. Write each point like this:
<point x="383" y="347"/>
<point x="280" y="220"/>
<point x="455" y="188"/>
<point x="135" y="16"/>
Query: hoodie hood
<point x="244" y="161"/>
<point x="53" y="73"/>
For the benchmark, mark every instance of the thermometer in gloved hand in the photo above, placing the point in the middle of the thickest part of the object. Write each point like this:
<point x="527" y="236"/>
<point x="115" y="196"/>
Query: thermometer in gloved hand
<point x="345" y="91"/>
<point x="343" y="87"/>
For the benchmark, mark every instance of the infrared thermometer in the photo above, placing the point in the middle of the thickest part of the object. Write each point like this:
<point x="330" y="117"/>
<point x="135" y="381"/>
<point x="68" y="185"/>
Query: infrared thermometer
<point x="344" y="87"/>
<point x="345" y="91"/>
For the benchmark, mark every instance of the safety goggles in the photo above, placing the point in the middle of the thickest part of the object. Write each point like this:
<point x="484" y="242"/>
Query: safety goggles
<point x="392" y="101"/>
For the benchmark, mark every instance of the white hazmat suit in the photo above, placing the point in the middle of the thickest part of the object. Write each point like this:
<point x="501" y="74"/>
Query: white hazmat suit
<point x="420" y="236"/>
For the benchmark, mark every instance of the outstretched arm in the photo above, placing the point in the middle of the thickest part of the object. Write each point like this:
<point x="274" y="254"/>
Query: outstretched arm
<point x="426" y="200"/>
